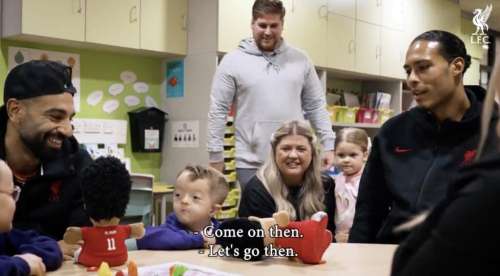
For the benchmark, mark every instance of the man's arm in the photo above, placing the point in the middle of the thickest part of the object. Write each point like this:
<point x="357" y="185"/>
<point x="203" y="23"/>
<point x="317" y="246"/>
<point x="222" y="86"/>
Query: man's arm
<point x="221" y="99"/>
<point x="372" y="206"/>
<point x="314" y="106"/>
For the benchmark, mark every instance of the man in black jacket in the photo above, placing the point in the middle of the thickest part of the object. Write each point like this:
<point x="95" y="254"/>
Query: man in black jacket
<point x="417" y="153"/>
<point x="36" y="141"/>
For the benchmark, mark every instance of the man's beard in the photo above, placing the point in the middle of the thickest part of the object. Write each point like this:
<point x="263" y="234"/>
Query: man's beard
<point x="39" y="146"/>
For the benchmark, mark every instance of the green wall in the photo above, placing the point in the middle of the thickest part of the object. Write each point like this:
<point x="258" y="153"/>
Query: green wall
<point x="98" y="70"/>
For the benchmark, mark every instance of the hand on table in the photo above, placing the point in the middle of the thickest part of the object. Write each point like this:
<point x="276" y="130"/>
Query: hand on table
<point x="68" y="250"/>
<point x="35" y="263"/>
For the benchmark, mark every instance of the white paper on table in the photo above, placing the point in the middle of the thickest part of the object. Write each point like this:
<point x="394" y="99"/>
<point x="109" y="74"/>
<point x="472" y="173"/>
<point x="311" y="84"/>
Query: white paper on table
<point x="163" y="269"/>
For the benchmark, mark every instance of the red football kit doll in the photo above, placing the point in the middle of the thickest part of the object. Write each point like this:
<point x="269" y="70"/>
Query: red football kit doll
<point x="106" y="189"/>
<point x="104" y="244"/>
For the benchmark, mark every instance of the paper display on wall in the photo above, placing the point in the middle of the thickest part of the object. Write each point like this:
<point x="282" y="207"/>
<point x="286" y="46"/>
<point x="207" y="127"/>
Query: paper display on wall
<point x="18" y="55"/>
<point x="185" y="134"/>
<point x="175" y="79"/>
<point x="151" y="139"/>
<point x="98" y="131"/>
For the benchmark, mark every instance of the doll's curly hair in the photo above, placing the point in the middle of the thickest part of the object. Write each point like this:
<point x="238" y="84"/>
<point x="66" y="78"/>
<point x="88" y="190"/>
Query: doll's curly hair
<point x="106" y="188"/>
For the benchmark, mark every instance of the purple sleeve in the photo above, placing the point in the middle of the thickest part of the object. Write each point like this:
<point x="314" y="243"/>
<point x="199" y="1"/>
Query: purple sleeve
<point x="167" y="237"/>
<point x="13" y="266"/>
<point x="42" y="246"/>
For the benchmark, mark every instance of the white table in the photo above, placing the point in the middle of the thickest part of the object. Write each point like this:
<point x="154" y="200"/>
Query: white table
<point x="342" y="260"/>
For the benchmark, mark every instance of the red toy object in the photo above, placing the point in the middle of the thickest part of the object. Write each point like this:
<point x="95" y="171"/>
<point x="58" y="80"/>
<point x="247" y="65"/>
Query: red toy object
<point x="104" y="244"/>
<point x="106" y="187"/>
<point x="308" y="239"/>
<point x="315" y="238"/>
<point x="92" y="269"/>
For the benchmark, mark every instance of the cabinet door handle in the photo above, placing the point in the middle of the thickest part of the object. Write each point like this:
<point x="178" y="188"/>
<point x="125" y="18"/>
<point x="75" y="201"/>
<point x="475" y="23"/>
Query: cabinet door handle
<point x="78" y="4"/>
<point x="132" y="15"/>
<point x="323" y="11"/>
<point x="184" y="22"/>
<point x="351" y="47"/>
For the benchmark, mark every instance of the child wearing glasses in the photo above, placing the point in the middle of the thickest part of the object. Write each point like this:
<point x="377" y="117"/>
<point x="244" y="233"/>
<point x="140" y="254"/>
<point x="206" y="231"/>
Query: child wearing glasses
<point x="22" y="252"/>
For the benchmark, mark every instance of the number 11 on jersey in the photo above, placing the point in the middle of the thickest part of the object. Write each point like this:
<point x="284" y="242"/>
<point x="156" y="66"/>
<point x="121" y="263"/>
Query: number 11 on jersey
<point x="111" y="244"/>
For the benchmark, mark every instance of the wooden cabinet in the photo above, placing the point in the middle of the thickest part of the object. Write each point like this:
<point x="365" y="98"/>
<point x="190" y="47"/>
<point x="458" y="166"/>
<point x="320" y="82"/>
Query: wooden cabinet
<point x="163" y="26"/>
<point x="369" y="11"/>
<point x="341" y="42"/>
<point x="234" y="23"/>
<point x="342" y="7"/>
<point x="392" y="14"/>
<point x="113" y="22"/>
<point x="152" y="25"/>
<point x="305" y="27"/>
<point x="367" y="58"/>
<point x="62" y="19"/>
<point x="392" y="54"/>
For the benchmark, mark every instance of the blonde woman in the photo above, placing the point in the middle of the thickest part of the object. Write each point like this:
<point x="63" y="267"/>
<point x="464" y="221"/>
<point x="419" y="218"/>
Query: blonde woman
<point x="461" y="235"/>
<point x="290" y="180"/>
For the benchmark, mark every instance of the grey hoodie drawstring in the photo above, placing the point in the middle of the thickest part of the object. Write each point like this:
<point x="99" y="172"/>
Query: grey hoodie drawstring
<point x="270" y="64"/>
<point x="248" y="45"/>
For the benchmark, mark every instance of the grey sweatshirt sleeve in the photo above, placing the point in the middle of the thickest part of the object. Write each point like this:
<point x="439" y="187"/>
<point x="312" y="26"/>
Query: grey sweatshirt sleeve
<point x="314" y="106"/>
<point x="221" y="98"/>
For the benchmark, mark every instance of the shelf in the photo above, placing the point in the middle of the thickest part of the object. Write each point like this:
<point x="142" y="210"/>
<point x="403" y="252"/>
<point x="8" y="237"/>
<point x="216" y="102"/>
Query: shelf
<point x="358" y="125"/>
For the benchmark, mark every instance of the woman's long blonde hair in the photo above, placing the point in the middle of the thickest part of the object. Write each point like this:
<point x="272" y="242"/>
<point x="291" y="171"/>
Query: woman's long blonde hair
<point x="312" y="191"/>
<point x="489" y="104"/>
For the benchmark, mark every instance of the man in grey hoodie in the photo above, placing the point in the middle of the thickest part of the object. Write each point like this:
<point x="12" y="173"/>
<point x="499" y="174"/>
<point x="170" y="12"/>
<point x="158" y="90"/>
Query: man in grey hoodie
<point x="269" y="82"/>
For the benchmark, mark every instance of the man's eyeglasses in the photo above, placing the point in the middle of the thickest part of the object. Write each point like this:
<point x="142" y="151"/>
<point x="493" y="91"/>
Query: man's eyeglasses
<point x="16" y="192"/>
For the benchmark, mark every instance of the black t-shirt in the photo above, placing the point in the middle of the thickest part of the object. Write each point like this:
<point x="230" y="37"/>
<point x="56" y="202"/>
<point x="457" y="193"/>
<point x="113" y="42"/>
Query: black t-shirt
<point x="461" y="235"/>
<point x="256" y="200"/>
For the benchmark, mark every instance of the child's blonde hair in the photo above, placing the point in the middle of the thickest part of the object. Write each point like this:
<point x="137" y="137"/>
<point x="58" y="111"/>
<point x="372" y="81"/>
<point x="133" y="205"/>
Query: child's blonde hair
<point x="218" y="185"/>
<point x="353" y="135"/>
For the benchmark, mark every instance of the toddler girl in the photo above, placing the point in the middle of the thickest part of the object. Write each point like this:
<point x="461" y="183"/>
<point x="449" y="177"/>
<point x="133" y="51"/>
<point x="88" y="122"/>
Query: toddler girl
<point x="351" y="152"/>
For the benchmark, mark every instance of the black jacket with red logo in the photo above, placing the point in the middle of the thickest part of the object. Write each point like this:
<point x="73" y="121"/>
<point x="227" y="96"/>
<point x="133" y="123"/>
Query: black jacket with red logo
<point x="412" y="161"/>
<point x="51" y="200"/>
